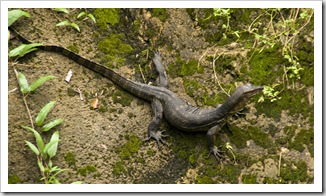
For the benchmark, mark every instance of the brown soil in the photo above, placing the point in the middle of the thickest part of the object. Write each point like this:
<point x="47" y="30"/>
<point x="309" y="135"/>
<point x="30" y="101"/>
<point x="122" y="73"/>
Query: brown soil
<point x="92" y="136"/>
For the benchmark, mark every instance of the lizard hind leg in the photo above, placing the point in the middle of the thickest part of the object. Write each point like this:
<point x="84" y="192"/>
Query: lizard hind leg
<point x="155" y="123"/>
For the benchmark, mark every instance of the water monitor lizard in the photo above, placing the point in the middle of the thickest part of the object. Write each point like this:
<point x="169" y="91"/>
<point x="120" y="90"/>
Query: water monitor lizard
<point x="166" y="103"/>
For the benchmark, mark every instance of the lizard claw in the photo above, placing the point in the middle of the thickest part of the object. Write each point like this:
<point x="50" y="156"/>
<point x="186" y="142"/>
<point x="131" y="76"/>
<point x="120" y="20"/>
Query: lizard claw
<point x="216" y="152"/>
<point x="158" y="137"/>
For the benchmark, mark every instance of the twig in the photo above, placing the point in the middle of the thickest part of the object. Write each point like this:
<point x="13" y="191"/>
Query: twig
<point x="80" y="94"/>
<point x="215" y="76"/>
<point x="25" y="102"/>
<point x="141" y="72"/>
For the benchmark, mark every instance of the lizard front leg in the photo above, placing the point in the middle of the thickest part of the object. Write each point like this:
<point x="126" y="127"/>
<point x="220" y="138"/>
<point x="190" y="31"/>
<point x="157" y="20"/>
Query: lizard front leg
<point x="156" y="105"/>
<point x="153" y="131"/>
<point x="211" y="142"/>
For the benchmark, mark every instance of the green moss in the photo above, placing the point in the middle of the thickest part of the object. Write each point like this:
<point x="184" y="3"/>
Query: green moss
<point x="13" y="179"/>
<point x="122" y="97"/>
<point x="114" y="50"/>
<point x="204" y="180"/>
<point x="119" y="168"/>
<point x="105" y="16"/>
<point x="193" y="159"/>
<point x="297" y="173"/>
<point x="150" y="152"/>
<point x="249" y="179"/>
<point x="70" y="159"/>
<point x="303" y="137"/>
<point x="296" y="102"/>
<point x="230" y="173"/>
<point x="191" y="86"/>
<point x="184" y="68"/>
<point x="260" y="138"/>
<point x="87" y="169"/>
<point x="129" y="148"/>
<point x="74" y="48"/>
<point x="160" y="13"/>
<point x="239" y="137"/>
<point x="102" y="109"/>
<point x="265" y="67"/>
<point x="268" y="180"/>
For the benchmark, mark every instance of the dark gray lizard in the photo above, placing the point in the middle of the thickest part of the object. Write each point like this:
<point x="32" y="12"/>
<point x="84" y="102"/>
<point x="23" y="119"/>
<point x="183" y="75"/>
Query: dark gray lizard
<point x="166" y="103"/>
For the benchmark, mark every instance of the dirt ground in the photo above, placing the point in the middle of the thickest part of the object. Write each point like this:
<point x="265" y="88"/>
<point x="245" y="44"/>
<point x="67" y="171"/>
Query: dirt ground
<point x="93" y="143"/>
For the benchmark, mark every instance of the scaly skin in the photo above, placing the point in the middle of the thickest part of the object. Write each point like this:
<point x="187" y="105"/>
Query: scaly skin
<point x="166" y="103"/>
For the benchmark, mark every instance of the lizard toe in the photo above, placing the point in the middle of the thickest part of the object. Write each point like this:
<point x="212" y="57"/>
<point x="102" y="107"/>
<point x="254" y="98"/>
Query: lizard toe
<point x="216" y="152"/>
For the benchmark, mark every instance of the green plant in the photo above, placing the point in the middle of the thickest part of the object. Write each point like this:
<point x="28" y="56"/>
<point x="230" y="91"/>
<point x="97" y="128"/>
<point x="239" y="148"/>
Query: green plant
<point x="270" y="93"/>
<point x="81" y="15"/>
<point x="14" y="15"/>
<point x="85" y="16"/>
<point x="67" y="23"/>
<point x="44" y="153"/>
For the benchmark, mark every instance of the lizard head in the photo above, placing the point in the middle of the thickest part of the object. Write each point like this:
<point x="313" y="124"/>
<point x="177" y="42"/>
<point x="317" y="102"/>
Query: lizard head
<point x="250" y="90"/>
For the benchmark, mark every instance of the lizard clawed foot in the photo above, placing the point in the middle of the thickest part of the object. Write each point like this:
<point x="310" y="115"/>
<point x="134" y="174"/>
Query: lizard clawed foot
<point x="158" y="137"/>
<point x="216" y="152"/>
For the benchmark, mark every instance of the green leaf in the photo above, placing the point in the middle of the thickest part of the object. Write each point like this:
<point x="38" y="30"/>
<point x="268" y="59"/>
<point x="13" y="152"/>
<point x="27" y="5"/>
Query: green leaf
<point x="38" y="138"/>
<point x="63" y="23"/>
<point x="39" y="82"/>
<point x="77" y="182"/>
<point x="40" y="165"/>
<point x="13" y="15"/>
<point x="24" y="87"/>
<point x="91" y="17"/>
<point x="52" y="124"/>
<point x="43" y="112"/>
<point x="23" y="49"/>
<point x="81" y="14"/>
<point x="33" y="147"/>
<point x="75" y="26"/>
<point x="64" y="10"/>
<point x="53" y="149"/>
<point x="48" y="146"/>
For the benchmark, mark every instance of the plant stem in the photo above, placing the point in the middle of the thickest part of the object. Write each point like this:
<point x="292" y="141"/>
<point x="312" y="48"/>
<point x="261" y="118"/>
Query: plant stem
<point x="25" y="102"/>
